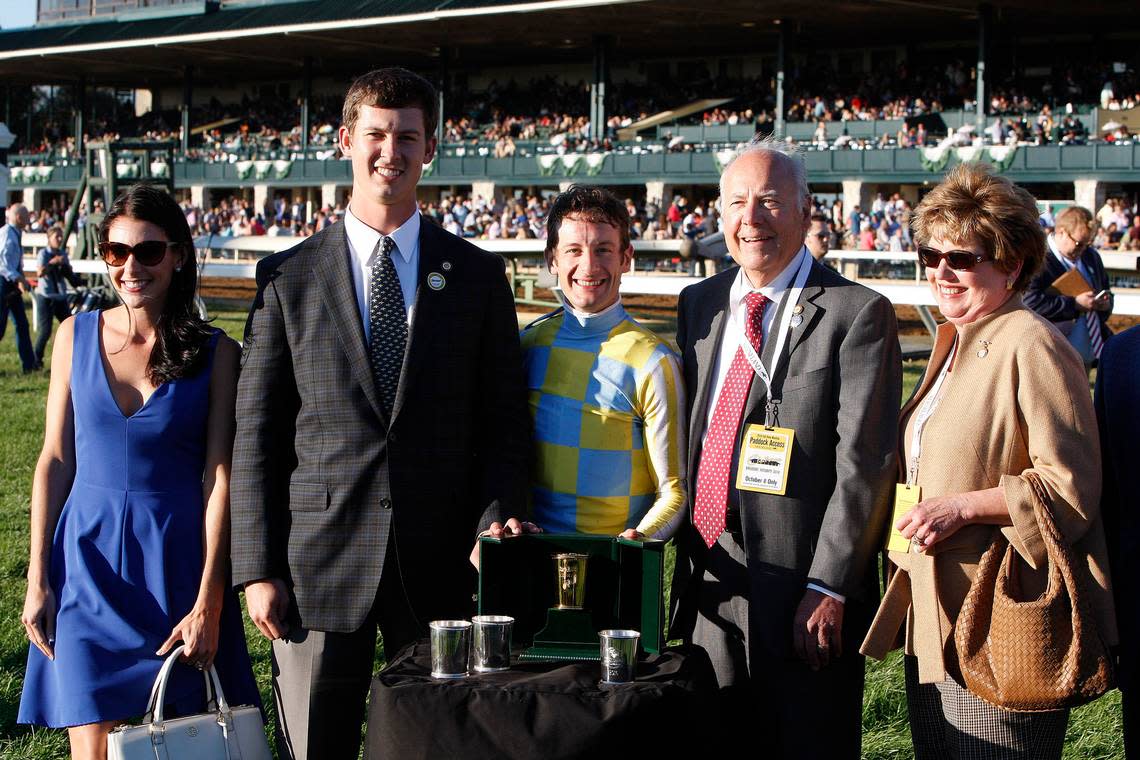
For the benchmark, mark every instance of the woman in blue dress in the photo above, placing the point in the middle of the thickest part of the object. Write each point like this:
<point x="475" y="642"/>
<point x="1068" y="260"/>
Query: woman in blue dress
<point x="130" y="502"/>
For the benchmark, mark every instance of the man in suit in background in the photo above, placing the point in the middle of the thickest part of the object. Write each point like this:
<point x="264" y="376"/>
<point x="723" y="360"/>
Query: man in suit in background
<point x="381" y="424"/>
<point x="1083" y="317"/>
<point x="13" y="284"/>
<point x="775" y="577"/>
<point x="1117" y="401"/>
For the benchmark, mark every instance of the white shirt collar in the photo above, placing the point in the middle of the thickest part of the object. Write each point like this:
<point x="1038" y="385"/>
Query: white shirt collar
<point x="584" y="318"/>
<point x="774" y="290"/>
<point x="1069" y="263"/>
<point x="362" y="238"/>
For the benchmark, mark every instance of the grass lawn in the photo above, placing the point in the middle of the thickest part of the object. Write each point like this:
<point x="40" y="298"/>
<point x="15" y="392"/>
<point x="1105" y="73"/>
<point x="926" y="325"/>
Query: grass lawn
<point x="1094" y="730"/>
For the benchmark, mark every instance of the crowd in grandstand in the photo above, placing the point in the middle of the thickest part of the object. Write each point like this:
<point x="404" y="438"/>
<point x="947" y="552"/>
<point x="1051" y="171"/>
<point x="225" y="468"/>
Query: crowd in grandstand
<point x="549" y="115"/>
<point x="884" y="226"/>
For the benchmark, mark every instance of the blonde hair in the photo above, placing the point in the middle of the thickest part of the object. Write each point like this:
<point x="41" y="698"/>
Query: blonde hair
<point x="974" y="205"/>
<point x="1074" y="218"/>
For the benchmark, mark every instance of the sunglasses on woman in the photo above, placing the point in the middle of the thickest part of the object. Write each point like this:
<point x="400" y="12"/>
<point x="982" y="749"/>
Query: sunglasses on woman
<point x="148" y="252"/>
<point x="959" y="261"/>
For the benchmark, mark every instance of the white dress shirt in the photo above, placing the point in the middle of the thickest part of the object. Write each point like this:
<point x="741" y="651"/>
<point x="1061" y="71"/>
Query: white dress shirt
<point x="361" y="246"/>
<point x="741" y="287"/>
<point x="774" y="292"/>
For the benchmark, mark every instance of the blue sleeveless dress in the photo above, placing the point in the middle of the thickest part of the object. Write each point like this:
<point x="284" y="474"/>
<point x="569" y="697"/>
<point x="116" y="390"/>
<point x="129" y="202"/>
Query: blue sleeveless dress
<point x="127" y="553"/>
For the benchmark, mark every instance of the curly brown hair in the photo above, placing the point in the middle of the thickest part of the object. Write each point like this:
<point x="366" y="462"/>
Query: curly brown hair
<point x="974" y="205"/>
<point x="592" y="204"/>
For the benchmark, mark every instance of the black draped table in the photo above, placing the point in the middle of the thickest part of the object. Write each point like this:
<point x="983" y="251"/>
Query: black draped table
<point x="538" y="709"/>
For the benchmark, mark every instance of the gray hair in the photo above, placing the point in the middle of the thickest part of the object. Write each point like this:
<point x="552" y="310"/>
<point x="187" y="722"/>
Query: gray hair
<point x="769" y="144"/>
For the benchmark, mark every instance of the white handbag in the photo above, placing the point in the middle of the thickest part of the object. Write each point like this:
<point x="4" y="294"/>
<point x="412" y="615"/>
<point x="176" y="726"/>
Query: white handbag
<point x="220" y="733"/>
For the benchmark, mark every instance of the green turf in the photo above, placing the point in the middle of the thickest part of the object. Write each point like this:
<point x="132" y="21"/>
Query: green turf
<point x="1094" y="731"/>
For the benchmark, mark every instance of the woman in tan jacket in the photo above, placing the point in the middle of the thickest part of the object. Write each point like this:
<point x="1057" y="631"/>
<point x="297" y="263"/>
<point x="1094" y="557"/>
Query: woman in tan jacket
<point x="1004" y="395"/>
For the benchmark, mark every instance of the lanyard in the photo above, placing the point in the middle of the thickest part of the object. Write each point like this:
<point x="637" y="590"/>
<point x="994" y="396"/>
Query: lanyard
<point x="925" y="412"/>
<point x="746" y="346"/>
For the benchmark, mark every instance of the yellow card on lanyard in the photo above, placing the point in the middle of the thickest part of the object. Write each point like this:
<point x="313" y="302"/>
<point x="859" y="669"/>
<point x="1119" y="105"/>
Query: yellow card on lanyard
<point x="906" y="497"/>
<point x="765" y="454"/>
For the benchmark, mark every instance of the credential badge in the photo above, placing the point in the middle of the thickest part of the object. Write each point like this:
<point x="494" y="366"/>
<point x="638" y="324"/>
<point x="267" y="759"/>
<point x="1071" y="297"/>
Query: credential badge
<point x="435" y="281"/>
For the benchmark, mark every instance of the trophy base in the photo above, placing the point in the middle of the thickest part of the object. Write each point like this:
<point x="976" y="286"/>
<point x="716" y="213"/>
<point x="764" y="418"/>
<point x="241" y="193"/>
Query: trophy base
<point x="568" y="635"/>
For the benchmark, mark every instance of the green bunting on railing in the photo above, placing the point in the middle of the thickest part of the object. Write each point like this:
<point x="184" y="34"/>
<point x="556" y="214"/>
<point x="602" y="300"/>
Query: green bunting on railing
<point x="936" y="159"/>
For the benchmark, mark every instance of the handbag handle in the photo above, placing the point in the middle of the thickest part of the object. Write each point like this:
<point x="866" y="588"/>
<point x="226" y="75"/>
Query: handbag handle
<point x="157" y="699"/>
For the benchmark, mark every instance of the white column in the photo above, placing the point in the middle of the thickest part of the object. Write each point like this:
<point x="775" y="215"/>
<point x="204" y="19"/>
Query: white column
<point x="198" y="196"/>
<point x="564" y="186"/>
<point x="328" y="196"/>
<point x="260" y="200"/>
<point x="660" y="193"/>
<point x="855" y="193"/>
<point x="32" y="197"/>
<point x="485" y="190"/>
<point x="1089" y="193"/>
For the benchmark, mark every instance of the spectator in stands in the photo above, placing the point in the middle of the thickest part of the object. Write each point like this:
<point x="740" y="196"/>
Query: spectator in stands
<point x="676" y="213"/>
<point x="866" y="236"/>
<point x="819" y="238"/>
<point x="1131" y="241"/>
<point x="53" y="275"/>
<point x="1082" y="317"/>
<point x="980" y="242"/>
<point x="13" y="284"/>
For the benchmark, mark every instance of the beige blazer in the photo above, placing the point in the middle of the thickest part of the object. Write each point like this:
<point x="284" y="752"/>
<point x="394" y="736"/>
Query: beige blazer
<point x="1016" y="401"/>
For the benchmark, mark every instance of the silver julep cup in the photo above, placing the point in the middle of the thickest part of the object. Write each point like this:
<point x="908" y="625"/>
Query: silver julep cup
<point x="619" y="655"/>
<point x="450" y="648"/>
<point x="492" y="642"/>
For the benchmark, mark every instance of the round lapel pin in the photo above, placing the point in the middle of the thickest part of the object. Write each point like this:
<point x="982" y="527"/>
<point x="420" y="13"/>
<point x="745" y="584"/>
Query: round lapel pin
<point x="446" y="266"/>
<point x="435" y="281"/>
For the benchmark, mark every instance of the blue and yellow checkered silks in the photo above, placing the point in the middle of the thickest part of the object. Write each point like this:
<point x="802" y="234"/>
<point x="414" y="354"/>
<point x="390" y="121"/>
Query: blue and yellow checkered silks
<point x="607" y="400"/>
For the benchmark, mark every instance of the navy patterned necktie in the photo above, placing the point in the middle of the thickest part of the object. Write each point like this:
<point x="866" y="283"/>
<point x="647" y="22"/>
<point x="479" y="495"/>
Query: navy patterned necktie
<point x="388" y="323"/>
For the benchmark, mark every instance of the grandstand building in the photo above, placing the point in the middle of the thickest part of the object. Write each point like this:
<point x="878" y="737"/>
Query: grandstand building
<point x="645" y="95"/>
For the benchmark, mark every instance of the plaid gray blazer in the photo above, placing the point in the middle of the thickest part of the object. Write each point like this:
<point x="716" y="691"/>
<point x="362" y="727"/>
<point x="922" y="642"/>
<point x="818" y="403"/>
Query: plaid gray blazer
<point x="323" y="485"/>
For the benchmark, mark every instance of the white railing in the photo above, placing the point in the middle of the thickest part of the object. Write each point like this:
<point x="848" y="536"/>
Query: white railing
<point x="236" y="258"/>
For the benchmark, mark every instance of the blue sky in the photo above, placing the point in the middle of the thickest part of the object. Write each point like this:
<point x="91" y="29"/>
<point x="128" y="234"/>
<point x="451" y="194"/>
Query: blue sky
<point x="17" y="13"/>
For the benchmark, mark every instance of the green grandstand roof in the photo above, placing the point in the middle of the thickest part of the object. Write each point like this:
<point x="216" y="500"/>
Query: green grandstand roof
<point x="254" y="18"/>
<point x="269" y="41"/>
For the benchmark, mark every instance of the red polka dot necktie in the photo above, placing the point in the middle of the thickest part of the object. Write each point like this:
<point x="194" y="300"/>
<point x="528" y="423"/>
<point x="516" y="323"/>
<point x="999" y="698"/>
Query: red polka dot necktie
<point x="711" y="501"/>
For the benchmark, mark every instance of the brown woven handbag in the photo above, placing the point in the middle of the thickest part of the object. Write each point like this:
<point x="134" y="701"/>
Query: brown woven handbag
<point x="1031" y="655"/>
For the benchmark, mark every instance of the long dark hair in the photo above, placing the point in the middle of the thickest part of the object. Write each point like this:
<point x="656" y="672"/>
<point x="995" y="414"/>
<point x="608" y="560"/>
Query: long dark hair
<point x="182" y="333"/>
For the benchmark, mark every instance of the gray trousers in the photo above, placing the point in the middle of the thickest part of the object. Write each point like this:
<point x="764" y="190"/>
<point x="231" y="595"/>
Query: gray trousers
<point x="801" y="713"/>
<point x="321" y="678"/>
<point x="947" y="722"/>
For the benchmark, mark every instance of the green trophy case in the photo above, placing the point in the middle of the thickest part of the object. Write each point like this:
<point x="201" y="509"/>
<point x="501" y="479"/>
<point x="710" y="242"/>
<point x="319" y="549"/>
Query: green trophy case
<point x="624" y="581"/>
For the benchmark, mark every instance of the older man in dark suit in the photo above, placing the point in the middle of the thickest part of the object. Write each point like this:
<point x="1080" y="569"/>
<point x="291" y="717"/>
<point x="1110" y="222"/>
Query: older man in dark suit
<point x="381" y="424"/>
<point x="794" y="378"/>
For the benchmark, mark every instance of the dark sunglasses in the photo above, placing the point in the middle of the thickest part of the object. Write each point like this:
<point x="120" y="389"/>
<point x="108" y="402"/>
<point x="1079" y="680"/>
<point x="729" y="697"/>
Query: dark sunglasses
<point x="148" y="252"/>
<point x="959" y="261"/>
